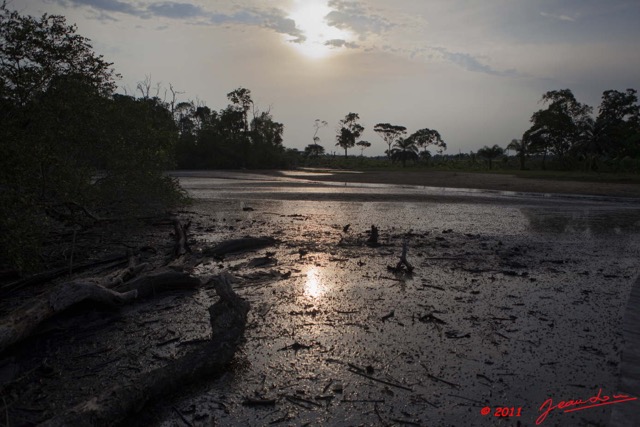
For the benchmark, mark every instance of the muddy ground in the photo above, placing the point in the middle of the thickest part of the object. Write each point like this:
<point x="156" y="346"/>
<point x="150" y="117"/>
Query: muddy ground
<point x="512" y="300"/>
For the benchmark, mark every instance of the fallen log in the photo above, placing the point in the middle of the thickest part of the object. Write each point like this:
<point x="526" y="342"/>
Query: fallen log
<point x="21" y="323"/>
<point x="168" y="280"/>
<point x="240" y="245"/>
<point x="58" y="272"/>
<point x="228" y="319"/>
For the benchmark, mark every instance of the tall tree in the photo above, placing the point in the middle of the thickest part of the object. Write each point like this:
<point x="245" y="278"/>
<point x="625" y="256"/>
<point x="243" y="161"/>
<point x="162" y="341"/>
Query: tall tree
<point x="425" y="137"/>
<point x="33" y="52"/>
<point x="390" y="134"/>
<point x="317" y="124"/>
<point x="559" y="127"/>
<point x="490" y="153"/>
<point x="349" y="131"/>
<point x="617" y="127"/>
<point x="241" y="100"/>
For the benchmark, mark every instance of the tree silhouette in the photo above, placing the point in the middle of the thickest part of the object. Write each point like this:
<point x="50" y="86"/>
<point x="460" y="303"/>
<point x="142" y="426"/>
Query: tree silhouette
<point x="317" y="124"/>
<point x="363" y="145"/>
<point x="349" y="131"/>
<point x="241" y="99"/>
<point x="425" y="137"/>
<point x="403" y="150"/>
<point x="558" y="128"/>
<point x="490" y="153"/>
<point x="34" y="52"/>
<point x="390" y="134"/>
<point x="314" y="150"/>
<point x="520" y="146"/>
<point x="617" y="127"/>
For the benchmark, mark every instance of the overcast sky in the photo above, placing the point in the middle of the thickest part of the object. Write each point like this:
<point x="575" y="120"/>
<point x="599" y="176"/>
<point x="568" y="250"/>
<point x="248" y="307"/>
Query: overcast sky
<point x="473" y="70"/>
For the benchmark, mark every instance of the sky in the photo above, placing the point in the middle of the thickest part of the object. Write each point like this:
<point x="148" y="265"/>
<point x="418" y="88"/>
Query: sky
<point x="472" y="70"/>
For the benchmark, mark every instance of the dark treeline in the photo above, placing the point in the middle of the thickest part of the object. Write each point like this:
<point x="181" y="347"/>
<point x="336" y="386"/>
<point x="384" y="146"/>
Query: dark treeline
<point x="567" y="132"/>
<point x="74" y="153"/>
<point x="239" y="136"/>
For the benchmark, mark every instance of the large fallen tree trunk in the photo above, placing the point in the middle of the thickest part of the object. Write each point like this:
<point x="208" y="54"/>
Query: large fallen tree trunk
<point x="168" y="280"/>
<point x="58" y="272"/>
<point x="19" y="324"/>
<point x="228" y="319"/>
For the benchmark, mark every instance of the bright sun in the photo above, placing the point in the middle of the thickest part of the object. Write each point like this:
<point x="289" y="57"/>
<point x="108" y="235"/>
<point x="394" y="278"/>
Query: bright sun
<point x="309" y="17"/>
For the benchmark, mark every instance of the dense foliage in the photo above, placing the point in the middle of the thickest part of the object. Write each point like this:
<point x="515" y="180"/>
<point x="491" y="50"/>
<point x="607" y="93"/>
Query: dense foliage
<point x="228" y="139"/>
<point x="73" y="151"/>
<point x="567" y="132"/>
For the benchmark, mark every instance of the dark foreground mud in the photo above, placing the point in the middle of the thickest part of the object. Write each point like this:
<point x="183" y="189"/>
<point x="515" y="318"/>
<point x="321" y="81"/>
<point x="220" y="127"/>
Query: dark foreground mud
<point x="512" y="301"/>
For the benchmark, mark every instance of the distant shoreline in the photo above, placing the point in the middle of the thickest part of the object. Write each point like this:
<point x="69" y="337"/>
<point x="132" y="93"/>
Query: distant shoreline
<point x="452" y="179"/>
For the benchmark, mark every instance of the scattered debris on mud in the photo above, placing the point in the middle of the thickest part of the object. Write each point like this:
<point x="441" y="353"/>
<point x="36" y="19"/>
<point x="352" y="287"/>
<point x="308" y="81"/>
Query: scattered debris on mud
<point x="475" y="314"/>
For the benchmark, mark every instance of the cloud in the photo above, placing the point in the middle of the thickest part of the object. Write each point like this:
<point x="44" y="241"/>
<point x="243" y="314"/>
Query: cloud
<point x="273" y="18"/>
<point x="558" y="17"/>
<point x="104" y="5"/>
<point x="352" y="15"/>
<point x="341" y="43"/>
<point x="276" y="20"/>
<point x="175" y="10"/>
<point x="463" y="60"/>
<point x="471" y="63"/>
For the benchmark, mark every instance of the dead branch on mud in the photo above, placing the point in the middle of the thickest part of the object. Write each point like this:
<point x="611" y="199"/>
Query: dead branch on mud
<point x="22" y="322"/>
<point x="228" y="319"/>
<point x="403" y="260"/>
<point x="111" y="291"/>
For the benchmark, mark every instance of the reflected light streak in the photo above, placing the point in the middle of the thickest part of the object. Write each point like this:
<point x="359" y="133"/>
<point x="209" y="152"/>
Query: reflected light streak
<point x="313" y="286"/>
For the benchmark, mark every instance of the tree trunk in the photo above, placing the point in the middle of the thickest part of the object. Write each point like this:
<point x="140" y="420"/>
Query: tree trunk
<point x="22" y="322"/>
<point x="19" y="324"/>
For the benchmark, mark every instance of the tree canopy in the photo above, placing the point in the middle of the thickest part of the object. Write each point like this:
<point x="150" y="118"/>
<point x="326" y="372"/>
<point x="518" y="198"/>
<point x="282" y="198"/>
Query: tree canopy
<point x="67" y="140"/>
<point x="390" y="134"/>
<point x="349" y="131"/>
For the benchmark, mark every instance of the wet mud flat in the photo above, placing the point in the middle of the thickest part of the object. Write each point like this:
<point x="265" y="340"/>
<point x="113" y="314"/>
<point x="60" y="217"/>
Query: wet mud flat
<point x="511" y="301"/>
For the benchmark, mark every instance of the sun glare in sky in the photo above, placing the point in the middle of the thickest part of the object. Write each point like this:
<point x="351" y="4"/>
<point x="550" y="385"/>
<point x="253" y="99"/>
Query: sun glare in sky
<point x="309" y="17"/>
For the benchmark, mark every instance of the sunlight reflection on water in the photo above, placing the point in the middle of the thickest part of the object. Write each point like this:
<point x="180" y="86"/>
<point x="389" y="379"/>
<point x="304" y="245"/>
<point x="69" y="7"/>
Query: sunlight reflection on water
<point x="314" y="286"/>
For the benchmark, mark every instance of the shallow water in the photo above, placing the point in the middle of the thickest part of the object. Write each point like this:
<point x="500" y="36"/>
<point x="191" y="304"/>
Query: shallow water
<point x="530" y="291"/>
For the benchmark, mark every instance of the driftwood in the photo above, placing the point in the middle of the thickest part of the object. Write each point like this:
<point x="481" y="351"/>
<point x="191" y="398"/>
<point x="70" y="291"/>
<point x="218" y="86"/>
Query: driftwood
<point x="240" y="245"/>
<point x="152" y="284"/>
<point x="58" y="272"/>
<point x="228" y="319"/>
<point x="403" y="260"/>
<point x="373" y="237"/>
<point x="20" y="323"/>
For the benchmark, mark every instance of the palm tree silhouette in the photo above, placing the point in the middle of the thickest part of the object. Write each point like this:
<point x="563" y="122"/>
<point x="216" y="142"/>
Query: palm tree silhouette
<point x="404" y="149"/>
